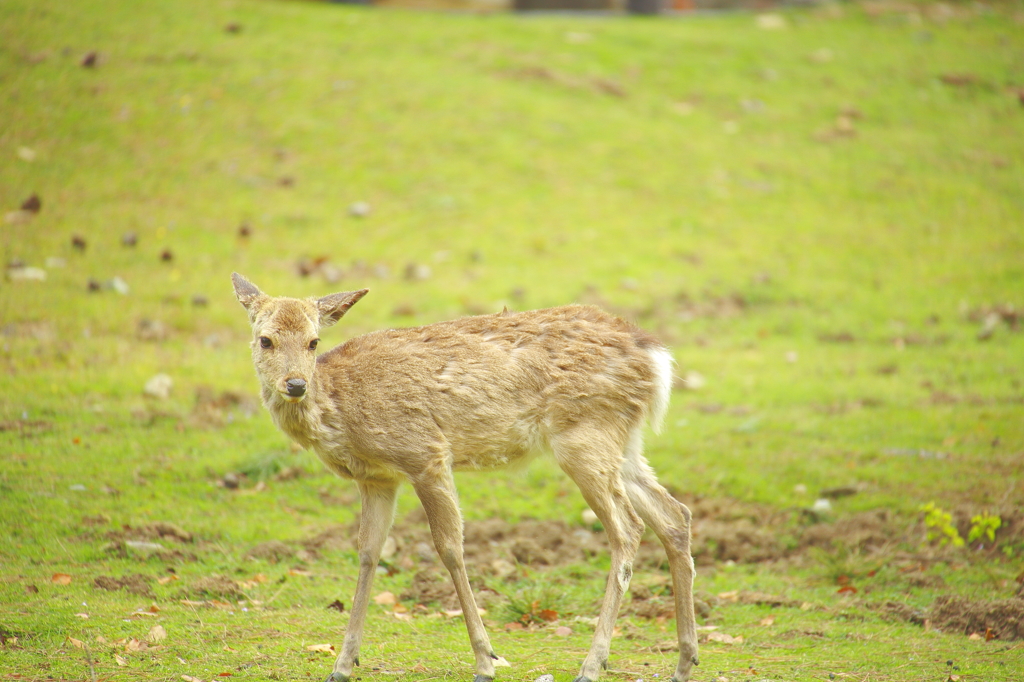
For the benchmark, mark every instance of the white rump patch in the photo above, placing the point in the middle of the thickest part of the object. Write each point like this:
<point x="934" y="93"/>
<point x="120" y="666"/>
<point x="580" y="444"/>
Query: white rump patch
<point x="664" y="366"/>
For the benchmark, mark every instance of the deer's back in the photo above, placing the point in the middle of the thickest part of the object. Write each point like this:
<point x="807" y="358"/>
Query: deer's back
<point x="492" y="388"/>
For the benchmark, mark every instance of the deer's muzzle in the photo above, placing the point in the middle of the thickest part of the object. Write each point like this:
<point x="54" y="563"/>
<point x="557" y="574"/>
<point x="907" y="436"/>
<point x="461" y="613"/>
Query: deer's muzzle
<point x="295" y="388"/>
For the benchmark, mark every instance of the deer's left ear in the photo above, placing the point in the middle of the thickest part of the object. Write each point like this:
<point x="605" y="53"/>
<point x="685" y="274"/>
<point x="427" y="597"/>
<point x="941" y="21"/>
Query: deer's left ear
<point x="333" y="306"/>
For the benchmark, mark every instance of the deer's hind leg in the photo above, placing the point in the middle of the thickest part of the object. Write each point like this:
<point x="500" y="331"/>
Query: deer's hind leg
<point x="378" y="512"/>
<point x="670" y="520"/>
<point x="592" y="458"/>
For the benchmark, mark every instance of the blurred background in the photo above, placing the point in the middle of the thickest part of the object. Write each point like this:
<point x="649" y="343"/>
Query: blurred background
<point x="820" y="208"/>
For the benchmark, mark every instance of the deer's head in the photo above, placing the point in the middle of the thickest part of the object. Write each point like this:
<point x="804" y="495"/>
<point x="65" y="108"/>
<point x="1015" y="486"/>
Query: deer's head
<point x="286" y="334"/>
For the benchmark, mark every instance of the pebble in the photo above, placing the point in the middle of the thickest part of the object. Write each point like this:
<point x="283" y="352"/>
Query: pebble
<point x="159" y="387"/>
<point x="359" y="209"/>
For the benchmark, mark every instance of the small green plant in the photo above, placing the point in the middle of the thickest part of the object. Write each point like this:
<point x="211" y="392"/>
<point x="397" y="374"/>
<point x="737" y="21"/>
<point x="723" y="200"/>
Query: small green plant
<point x="984" y="525"/>
<point x="536" y="604"/>
<point x="940" y="526"/>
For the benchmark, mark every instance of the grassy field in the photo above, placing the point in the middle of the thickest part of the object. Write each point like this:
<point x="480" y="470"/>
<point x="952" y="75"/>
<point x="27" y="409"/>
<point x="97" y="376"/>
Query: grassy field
<point x="821" y="212"/>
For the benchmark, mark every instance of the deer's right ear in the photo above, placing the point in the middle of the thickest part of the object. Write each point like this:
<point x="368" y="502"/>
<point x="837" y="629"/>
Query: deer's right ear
<point x="245" y="291"/>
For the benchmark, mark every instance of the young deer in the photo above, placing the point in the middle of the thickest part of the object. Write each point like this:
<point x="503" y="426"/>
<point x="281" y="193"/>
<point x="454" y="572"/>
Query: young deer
<point x="479" y="393"/>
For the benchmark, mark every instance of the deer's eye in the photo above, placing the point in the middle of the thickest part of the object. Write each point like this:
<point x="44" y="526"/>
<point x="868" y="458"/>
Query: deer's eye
<point x="312" y="344"/>
<point x="265" y="342"/>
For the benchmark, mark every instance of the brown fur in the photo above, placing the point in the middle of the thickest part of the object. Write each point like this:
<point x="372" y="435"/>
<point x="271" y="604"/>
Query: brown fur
<point x="478" y="393"/>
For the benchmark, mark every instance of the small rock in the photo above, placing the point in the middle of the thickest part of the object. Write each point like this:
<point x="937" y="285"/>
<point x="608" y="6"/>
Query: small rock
<point x="424" y="552"/>
<point x="129" y="239"/>
<point x="150" y="330"/>
<point x="143" y="547"/>
<point x="693" y="381"/>
<point x="231" y="480"/>
<point x="417" y="272"/>
<point x="200" y="301"/>
<point x="821" y="506"/>
<point x="119" y="285"/>
<point x="360" y="209"/>
<point x="545" y="678"/>
<point x="771" y="21"/>
<point x="159" y="387"/>
<point x="26" y="274"/>
<point x="988" y="326"/>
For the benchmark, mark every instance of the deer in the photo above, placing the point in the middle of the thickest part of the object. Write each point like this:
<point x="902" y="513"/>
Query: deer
<point x="482" y="392"/>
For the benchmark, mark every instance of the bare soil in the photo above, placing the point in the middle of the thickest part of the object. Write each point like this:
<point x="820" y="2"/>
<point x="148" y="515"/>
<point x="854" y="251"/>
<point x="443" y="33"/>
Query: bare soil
<point x="1002" y="619"/>
<point x="723" y="531"/>
<point x="136" y="584"/>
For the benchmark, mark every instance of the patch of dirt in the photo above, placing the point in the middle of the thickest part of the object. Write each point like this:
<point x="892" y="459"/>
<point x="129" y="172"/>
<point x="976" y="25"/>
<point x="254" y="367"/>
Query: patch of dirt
<point x="1002" y="619"/>
<point x="895" y="611"/>
<point x="216" y="586"/>
<point x="158" y="530"/>
<point x="148" y="542"/>
<point x="723" y="530"/>
<point x="429" y="587"/>
<point x="213" y="410"/>
<point x="273" y="551"/>
<point x="26" y="427"/>
<point x="136" y="584"/>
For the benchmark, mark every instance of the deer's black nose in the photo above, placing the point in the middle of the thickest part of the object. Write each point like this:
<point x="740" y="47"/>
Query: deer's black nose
<point x="296" y="387"/>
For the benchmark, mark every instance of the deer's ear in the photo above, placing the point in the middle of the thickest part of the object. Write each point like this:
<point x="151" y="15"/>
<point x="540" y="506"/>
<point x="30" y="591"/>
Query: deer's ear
<point x="334" y="306"/>
<point x="246" y="292"/>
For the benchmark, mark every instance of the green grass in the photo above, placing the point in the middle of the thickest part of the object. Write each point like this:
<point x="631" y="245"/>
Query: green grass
<point x="695" y="174"/>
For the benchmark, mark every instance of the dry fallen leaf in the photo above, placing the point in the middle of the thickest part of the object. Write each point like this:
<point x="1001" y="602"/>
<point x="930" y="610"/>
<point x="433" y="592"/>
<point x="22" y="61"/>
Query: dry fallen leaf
<point x="321" y="648"/>
<point x="386" y="599"/>
<point x="189" y="678"/>
<point x="61" y="579"/>
<point x="724" y="638"/>
<point x="767" y="620"/>
<point x="156" y="634"/>
<point x="76" y="642"/>
<point x="120" y="660"/>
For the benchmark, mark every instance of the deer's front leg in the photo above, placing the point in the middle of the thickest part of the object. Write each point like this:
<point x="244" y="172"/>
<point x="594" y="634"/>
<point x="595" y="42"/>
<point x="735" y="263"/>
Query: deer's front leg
<point x="378" y="511"/>
<point x="440" y="502"/>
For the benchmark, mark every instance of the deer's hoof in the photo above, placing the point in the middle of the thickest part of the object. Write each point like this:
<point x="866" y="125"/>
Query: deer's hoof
<point x="581" y="678"/>
<point x="336" y="677"/>
<point x="482" y="678"/>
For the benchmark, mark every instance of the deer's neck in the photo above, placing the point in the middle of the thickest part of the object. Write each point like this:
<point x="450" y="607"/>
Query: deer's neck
<point x="301" y="421"/>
